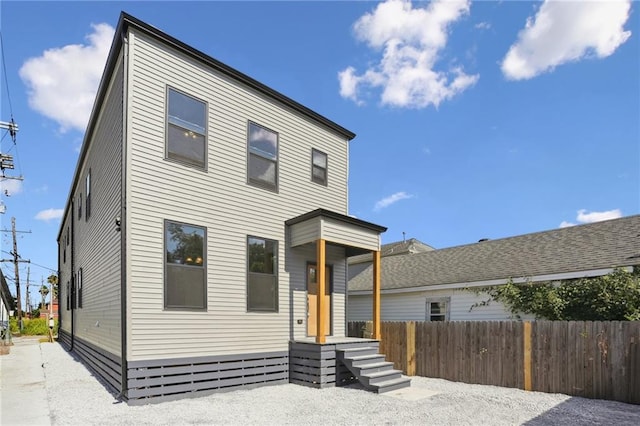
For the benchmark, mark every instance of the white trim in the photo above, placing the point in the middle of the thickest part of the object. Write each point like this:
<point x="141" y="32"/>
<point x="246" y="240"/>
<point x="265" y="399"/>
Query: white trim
<point x="488" y="283"/>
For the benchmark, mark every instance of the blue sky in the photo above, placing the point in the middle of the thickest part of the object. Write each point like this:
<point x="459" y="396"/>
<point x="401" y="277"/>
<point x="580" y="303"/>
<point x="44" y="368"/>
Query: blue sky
<point x="473" y="120"/>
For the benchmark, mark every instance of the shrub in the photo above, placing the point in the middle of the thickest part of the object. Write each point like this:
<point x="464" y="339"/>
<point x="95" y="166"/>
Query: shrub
<point x="32" y="327"/>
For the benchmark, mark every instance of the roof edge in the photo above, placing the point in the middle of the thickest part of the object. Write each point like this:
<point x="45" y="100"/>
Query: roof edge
<point x="337" y="216"/>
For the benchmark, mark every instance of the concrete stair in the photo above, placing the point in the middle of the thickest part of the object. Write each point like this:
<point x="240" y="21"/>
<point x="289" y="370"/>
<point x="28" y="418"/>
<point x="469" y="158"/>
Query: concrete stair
<point x="372" y="370"/>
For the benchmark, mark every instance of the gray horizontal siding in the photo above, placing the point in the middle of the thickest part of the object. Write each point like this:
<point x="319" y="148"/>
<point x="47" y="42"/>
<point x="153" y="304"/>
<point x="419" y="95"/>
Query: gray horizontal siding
<point x="158" y="380"/>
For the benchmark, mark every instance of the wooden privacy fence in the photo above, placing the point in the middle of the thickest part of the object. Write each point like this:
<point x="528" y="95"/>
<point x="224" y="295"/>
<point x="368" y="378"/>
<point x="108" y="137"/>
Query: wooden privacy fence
<point x="580" y="358"/>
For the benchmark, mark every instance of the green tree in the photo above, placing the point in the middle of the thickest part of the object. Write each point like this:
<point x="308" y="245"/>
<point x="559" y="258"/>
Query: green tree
<point x="53" y="280"/>
<point x="611" y="297"/>
<point x="44" y="291"/>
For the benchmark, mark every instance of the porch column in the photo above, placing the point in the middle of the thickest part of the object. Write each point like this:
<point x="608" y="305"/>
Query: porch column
<point x="376" y="295"/>
<point x="320" y="278"/>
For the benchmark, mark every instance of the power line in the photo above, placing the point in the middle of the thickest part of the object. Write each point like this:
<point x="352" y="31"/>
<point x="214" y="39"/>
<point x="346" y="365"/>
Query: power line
<point x="6" y="80"/>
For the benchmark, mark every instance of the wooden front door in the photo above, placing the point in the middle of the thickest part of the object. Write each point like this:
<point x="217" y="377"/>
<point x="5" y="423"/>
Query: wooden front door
<point x="312" y="300"/>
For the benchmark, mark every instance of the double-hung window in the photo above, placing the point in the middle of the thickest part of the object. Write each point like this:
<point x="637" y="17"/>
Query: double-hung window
<point x="262" y="168"/>
<point x="438" y="309"/>
<point x="185" y="281"/>
<point x="319" y="167"/>
<point x="186" y="129"/>
<point x="87" y="199"/>
<point x="262" y="274"/>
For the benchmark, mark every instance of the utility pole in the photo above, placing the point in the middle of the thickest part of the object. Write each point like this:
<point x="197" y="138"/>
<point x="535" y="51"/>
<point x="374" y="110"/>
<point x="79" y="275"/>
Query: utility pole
<point x="16" y="260"/>
<point x="28" y="302"/>
<point x="6" y="161"/>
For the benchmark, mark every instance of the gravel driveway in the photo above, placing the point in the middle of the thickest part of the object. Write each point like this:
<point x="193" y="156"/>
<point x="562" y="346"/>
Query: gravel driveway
<point x="75" y="397"/>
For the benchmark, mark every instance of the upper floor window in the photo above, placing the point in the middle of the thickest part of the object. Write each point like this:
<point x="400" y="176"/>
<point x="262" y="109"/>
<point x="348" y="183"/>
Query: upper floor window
<point x="263" y="157"/>
<point x="80" y="206"/>
<point x="262" y="274"/>
<point x="319" y="167"/>
<point x="87" y="199"/>
<point x="186" y="129"/>
<point x="185" y="266"/>
<point x="438" y="309"/>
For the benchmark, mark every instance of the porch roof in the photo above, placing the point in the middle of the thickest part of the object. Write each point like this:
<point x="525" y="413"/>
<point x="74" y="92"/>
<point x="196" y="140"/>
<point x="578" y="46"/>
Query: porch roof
<point x="356" y="235"/>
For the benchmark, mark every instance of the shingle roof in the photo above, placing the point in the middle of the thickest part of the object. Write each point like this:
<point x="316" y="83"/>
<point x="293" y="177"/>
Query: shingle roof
<point x="587" y="247"/>
<point x="392" y="249"/>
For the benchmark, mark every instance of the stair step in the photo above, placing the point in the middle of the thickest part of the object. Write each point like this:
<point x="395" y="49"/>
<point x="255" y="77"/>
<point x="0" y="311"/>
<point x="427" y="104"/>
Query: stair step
<point x="363" y="350"/>
<point x="368" y="369"/>
<point x="359" y="360"/>
<point x="390" y="385"/>
<point x="379" y="377"/>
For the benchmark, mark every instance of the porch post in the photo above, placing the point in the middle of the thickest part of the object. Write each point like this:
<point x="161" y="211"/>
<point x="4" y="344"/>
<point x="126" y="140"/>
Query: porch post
<point x="376" y="295"/>
<point x="320" y="278"/>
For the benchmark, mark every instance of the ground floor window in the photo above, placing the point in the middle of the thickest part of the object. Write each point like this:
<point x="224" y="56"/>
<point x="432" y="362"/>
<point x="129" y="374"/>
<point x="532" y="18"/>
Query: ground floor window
<point x="185" y="277"/>
<point x="262" y="274"/>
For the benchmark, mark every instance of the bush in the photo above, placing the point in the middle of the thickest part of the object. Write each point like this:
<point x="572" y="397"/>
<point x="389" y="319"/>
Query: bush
<point x="32" y="327"/>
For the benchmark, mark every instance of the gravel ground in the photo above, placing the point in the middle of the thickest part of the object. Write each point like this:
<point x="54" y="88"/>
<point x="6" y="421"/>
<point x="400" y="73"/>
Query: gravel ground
<point x="76" y="397"/>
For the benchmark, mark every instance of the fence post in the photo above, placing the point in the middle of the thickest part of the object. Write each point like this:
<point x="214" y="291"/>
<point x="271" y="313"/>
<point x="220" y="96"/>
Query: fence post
<point x="410" y="340"/>
<point x="527" y="355"/>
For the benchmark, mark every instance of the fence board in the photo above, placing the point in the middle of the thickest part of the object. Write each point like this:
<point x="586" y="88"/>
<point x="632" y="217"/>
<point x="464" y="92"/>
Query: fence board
<point x="582" y="358"/>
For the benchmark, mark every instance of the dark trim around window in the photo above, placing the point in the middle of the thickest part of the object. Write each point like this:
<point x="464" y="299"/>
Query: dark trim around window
<point x="256" y="280"/>
<point x="319" y="174"/>
<point x="257" y="158"/>
<point x="185" y="276"/>
<point x="181" y="124"/>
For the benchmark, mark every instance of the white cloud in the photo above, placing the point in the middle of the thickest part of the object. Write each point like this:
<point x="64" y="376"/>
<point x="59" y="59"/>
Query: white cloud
<point x="566" y="31"/>
<point x="482" y="26"/>
<point x="591" y="217"/>
<point x="62" y="82"/>
<point x="392" y="199"/>
<point x="410" y="41"/>
<point x="10" y="187"/>
<point x="49" y="214"/>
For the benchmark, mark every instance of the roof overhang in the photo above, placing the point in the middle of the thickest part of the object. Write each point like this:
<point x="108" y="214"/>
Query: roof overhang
<point x="357" y="236"/>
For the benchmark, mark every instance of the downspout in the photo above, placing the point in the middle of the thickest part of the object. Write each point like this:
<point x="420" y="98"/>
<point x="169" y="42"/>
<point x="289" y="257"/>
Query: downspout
<point x="121" y="225"/>
<point x="72" y="289"/>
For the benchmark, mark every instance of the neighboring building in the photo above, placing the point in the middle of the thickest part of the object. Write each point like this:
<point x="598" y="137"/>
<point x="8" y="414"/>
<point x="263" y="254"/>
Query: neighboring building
<point x="7" y="302"/>
<point x="430" y="286"/>
<point x="207" y="212"/>
<point x="50" y="308"/>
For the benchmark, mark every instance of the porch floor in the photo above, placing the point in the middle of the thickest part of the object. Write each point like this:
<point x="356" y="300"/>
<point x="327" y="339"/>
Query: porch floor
<point x="333" y="340"/>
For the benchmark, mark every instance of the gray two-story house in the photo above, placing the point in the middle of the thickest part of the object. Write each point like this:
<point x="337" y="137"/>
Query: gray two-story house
<point x="205" y="237"/>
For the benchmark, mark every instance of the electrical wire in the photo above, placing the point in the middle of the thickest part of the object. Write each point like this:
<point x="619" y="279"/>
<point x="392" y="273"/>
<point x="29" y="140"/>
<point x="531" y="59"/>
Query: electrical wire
<point x="6" y="80"/>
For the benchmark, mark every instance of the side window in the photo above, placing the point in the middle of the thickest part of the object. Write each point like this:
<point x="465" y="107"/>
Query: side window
<point x="438" y="309"/>
<point x="87" y="209"/>
<point x="79" y="291"/>
<point x="80" y="206"/>
<point x="262" y="275"/>
<point x="186" y="129"/>
<point x="185" y="279"/>
<point x="319" y="167"/>
<point x="262" y="147"/>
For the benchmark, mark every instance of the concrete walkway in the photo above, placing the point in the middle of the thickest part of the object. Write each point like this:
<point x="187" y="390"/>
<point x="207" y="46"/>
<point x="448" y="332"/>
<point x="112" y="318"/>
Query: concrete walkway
<point x="23" y="393"/>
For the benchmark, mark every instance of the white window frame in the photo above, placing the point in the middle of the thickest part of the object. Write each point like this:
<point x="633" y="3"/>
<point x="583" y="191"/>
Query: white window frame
<point x="447" y="309"/>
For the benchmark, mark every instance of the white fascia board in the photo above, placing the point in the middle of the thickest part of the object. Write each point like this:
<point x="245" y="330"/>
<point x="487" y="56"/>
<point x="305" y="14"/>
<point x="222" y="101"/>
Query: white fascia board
<point x="489" y="283"/>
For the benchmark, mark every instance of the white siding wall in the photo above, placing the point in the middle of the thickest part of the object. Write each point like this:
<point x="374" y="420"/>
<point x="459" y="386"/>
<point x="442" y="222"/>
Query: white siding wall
<point x="218" y="199"/>
<point x="412" y="307"/>
<point x="305" y="232"/>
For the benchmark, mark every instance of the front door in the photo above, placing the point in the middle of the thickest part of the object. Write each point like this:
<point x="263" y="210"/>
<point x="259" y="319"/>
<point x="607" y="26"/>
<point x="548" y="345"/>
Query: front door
<point x="312" y="300"/>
